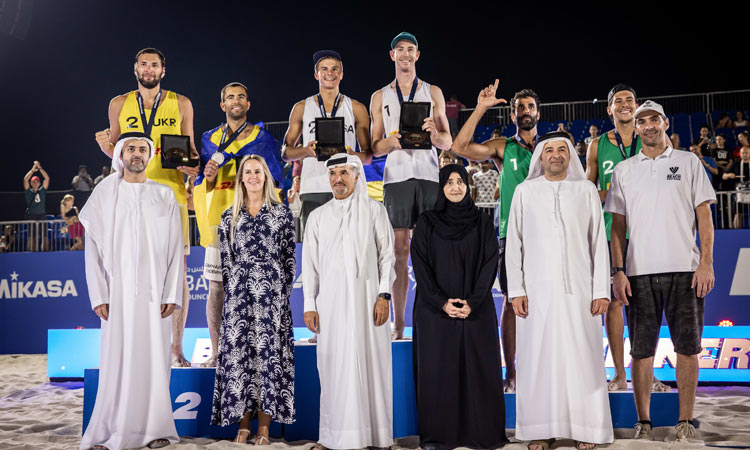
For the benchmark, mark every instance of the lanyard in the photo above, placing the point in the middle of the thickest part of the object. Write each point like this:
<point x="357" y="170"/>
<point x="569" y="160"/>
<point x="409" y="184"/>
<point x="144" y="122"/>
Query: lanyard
<point x="622" y="146"/>
<point x="411" y="94"/>
<point x="524" y="144"/>
<point x="323" y="108"/>
<point x="147" y="125"/>
<point x="223" y="145"/>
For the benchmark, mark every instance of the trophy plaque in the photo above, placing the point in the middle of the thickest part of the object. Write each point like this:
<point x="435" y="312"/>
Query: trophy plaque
<point x="175" y="151"/>
<point x="329" y="132"/>
<point x="413" y="137"/>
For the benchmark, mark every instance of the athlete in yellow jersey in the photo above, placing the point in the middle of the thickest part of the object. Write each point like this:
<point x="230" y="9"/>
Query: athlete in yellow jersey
<point x="173" y="115"/>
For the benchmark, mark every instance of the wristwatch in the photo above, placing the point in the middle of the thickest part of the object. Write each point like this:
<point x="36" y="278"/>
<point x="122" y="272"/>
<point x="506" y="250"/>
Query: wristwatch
<point x="385" y="295"/>
<point x="617" y="269"/>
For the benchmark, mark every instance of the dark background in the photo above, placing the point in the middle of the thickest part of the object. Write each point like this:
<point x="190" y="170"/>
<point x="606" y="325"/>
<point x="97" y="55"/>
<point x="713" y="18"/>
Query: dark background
<point x="56" y="83"/>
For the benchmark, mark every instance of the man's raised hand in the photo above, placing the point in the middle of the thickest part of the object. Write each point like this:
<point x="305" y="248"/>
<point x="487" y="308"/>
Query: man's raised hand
<point x="103" y="138"/>
<point x="487" y="97"/>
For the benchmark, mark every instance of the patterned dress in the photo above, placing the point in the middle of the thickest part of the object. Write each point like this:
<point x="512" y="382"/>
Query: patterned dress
<point x="255" y="368"/>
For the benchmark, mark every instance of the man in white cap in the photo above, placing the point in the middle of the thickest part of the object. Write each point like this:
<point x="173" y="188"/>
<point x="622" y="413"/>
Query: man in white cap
<point x="134" y="263"/>
<point x="558" y="279"/>
<point x="659" y="195"/>
<point x="410" y="178"/>
<point x="347" y="269"/>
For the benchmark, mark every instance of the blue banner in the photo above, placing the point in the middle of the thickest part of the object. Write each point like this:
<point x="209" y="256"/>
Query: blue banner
<point x="41" y="291"/>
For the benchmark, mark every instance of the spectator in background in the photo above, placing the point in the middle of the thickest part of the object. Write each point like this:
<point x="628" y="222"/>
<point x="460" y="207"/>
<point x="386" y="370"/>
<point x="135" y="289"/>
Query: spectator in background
<point x="739" y="175"/>
<point x="723" y="155"/>
<point x="704" y="140"/>
<point x="741" y="121"/>
<point x="593" y="133"/>
<point x="8" y="240"/>
<point x="452" y="107"/>
<point x="497" y="133"/>
<point x="105" y="173"/>
<point x="709" y="163"/>
<point x="69" y="214"/>
<point x="675" y="139"/>
<point x="744" y="139"/>
<point x="724" y="121"/>
<point x="36" y="204"/>
<point x="82" y="181"/>
<point x="446" y="157"/>
<point x="581" y="148"/>
<point x="485" y="182"/>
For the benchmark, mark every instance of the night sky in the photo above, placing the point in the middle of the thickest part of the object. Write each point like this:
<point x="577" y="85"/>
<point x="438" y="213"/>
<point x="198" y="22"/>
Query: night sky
<point x="56" y="83"/>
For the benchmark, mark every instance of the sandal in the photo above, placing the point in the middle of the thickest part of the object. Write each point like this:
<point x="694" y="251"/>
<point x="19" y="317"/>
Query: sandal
<point x="544" y="443"/>
<point x="158" y="443"/>
<point x="259" y="440"/>
<point x="579" y="445"/>
<point x="239" y="433"/>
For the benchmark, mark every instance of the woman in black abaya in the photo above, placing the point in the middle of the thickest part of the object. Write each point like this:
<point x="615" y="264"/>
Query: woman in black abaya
<point x="457" y="367"/>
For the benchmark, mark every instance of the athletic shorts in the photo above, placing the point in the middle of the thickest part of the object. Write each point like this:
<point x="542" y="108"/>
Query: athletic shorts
<point x="502" y="274"/>
<point x="185" y="228"/>
<point x="406" y="200"/>
<point x="212" y="261"/>
<point x="671" y="294"/>
<point x="310" y="202"/>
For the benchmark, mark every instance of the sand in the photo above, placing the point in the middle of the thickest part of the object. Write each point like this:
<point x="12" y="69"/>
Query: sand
<point x="36" y="414"/>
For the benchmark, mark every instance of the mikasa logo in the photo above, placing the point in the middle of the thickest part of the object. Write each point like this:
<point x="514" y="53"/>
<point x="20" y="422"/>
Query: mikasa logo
<point x="15" y="288"/>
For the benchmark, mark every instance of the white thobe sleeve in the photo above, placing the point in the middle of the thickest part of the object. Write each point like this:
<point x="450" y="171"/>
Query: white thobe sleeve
<point x="173" y="279"/>
<point x="598" y="246"/>
<point x="310" y="272"/>
<point x="384" y="241"/>
<point x="514" y="247"/>
<point x="96" y="276"/>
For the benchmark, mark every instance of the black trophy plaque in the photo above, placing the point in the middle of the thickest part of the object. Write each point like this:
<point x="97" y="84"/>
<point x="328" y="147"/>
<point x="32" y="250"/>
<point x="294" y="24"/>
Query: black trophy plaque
<point x="175" y="151"/>
<point x="329" y="132"/>
<point x="413" y="137"/>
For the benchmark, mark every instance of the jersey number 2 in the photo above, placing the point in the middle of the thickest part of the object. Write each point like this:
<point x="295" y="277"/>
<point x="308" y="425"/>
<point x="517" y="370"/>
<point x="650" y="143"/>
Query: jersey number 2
<point x="609" y="167"/>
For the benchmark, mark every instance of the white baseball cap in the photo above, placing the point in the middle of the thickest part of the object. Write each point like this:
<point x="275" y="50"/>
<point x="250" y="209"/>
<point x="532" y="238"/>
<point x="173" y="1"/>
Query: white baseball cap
<point x="650" y="105"/>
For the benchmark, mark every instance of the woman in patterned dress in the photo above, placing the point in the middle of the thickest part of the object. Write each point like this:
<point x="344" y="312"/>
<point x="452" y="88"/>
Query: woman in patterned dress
<point x="255" y="367"/>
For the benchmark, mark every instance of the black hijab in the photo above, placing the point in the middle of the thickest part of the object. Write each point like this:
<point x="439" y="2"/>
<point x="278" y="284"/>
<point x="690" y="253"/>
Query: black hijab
<point x="454" y="220"/>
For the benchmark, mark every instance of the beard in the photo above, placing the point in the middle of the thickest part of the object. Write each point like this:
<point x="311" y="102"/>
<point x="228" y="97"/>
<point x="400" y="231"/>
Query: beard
<point x="149" y="84"/>
<point x="135" y="166"/>
<point x="526" y="122"/>
<point x="237" y="115"/>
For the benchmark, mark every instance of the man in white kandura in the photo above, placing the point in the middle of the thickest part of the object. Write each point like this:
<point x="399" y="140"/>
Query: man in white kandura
<point x="558" y="278"/>
<point x="134" y="263"/>
<point x="347" y="270"/>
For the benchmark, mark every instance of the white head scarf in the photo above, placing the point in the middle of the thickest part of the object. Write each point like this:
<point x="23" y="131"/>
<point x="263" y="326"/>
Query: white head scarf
<point x="575" y="172"/>
<point x="98" y="214"/>
<point x="575" y="168"/>
<point x="357" y="224"/>
<point x="117" y="152"/>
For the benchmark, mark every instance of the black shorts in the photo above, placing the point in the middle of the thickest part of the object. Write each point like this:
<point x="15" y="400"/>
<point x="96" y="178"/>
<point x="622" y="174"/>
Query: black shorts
<point x="310" y="202"/>
<point x="670" y="294"/>
<point x="406" y="200"/>
<point x="501" y="272"/>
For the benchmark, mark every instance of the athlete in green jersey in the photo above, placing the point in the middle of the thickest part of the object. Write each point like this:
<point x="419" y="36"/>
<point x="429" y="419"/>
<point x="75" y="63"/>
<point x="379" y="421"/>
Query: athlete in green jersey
<point x="512" y="157"/>
<point x="604" y="153"/>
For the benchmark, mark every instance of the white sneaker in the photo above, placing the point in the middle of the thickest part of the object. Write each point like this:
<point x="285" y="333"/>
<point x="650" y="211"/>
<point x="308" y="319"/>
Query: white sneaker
<point x="643" y="431"/>
<point x="686" y="433"/>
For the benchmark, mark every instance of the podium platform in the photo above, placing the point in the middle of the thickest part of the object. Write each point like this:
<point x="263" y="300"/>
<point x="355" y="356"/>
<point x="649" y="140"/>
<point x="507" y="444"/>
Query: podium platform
<point x="191" y="390"/>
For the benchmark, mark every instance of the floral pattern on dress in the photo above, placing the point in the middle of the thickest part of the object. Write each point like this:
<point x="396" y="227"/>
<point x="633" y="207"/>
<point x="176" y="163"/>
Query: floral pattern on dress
<point x="255" y="367"/>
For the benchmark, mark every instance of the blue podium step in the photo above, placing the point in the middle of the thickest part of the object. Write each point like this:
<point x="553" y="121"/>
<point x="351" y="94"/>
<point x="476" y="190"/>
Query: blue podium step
<point x="191" y="391"/>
